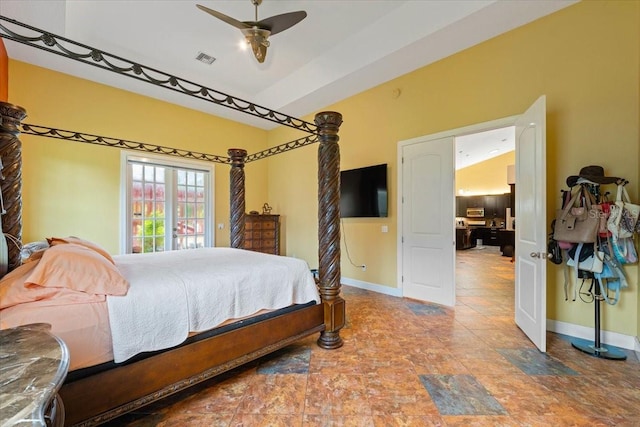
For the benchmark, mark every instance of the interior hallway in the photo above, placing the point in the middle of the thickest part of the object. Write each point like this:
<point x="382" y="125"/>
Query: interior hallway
<point x="405" y="363"/>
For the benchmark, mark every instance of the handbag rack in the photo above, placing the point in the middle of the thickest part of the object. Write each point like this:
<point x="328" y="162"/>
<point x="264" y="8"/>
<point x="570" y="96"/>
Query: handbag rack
<point x="596" y="348"/>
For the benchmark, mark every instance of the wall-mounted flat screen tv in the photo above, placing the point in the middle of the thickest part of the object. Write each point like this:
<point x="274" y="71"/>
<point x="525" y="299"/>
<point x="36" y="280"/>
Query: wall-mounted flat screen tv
<point x="363" y="192"/>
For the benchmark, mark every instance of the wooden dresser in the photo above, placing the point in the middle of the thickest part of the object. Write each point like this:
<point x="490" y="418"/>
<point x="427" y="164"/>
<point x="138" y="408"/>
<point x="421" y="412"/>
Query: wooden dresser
<point x="34" y="366"/>
<point x="262" y="233"/>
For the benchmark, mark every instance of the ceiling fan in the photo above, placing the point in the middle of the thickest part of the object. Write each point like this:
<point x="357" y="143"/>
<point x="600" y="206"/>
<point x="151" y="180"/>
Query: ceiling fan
<point x="257" y="32"/>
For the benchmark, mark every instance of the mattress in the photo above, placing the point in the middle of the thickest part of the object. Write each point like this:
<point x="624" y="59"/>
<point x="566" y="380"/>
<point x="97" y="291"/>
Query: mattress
<point x="83" y="327"/>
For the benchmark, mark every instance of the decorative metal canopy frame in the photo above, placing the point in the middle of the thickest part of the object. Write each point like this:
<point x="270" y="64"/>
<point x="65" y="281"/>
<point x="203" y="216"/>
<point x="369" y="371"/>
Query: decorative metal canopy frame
<point x="62" y="46"/>
<point x="324" y="130"/>
<point x="68" y="135"/>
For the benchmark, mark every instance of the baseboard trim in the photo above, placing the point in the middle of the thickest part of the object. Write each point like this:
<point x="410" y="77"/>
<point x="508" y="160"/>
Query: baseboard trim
<point x="381" y="289"/>
<point x="615" y="339"/>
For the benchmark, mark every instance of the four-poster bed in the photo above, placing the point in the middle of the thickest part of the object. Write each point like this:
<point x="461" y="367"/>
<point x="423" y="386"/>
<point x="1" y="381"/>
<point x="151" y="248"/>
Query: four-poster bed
<point x="104" y="395"/>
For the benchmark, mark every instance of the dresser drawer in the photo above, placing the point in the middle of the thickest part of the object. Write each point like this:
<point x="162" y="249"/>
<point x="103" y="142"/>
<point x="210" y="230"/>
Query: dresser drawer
<point x="268" y="234"/>
<point x="269" y="225"/>
<point x="255" y="235"/>
<point x="268" y="243"/>
<point x="252" y="225"/>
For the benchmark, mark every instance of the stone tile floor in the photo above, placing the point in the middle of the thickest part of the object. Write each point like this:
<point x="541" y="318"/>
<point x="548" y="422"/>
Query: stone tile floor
<point x="406" y="363"/>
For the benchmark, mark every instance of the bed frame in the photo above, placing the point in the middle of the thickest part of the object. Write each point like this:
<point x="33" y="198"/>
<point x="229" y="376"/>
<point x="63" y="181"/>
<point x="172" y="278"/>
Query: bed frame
<point x="103" y="396"/>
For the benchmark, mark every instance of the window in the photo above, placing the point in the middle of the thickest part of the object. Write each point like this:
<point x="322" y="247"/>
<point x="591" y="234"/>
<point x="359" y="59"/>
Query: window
<point x="168" y="204"/>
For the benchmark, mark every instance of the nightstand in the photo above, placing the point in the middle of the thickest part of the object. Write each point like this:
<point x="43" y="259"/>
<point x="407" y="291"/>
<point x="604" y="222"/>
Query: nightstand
<point x="34" y="364"/>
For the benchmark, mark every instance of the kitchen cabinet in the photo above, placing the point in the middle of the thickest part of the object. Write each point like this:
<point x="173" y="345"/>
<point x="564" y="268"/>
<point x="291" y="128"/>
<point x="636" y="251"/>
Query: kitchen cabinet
<point x="512" y="199"/>
<point x="490" y="206"/>
<point x="489" y="235"/>
<point x="495" y="205"/>
<point x="461" y="206"/>
<point x="475" y="201"/>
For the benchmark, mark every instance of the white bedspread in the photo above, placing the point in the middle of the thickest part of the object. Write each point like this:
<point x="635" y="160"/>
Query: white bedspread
<point x="174" y="293"/>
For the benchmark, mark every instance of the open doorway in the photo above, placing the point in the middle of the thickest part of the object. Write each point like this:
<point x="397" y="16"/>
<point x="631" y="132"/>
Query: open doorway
<point x="426" y="217"/>
<point x="485" y="219"/>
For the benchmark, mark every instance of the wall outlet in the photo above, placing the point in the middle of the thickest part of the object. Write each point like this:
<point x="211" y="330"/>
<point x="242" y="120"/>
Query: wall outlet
<point x="364" y="267"/>
<point x="220" y="226"/>
<point x="384" y="229"/>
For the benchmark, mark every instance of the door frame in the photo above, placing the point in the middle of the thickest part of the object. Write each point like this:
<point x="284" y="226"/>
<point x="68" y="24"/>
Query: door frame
<point x="465" y="130"/>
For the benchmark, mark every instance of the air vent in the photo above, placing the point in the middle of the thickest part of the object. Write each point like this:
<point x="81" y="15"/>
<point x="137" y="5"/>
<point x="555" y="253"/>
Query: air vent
<point x="207" y="59"/>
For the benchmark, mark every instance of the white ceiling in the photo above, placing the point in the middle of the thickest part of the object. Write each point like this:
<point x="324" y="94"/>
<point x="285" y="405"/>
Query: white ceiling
<point x="343" y="47"/>
<point x="478" y="147"/>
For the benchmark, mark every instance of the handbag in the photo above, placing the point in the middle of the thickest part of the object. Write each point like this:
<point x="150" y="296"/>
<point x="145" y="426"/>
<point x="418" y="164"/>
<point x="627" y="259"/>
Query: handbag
<point x="624" y="250"/>
<point x="585" y="258"/>
<point x="624" y="215"/>
<point x="553" y="248"/>
<point x="604" y="209"/>
<point x="594" y="263"/>
<point x="611" y="279"/>
<point x="577" y="224"/>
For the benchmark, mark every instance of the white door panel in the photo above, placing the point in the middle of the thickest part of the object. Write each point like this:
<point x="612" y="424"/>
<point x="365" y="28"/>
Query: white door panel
<point x="530" y="233"/>
<point x="427" y="223"/>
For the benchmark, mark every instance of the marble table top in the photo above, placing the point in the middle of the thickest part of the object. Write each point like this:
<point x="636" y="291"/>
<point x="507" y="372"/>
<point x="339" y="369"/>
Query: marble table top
<point x="33" y="366"/>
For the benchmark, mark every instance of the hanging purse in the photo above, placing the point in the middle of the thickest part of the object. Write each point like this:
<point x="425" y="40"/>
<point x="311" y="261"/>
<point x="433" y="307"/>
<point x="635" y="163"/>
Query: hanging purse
<point x="624" y="215"/>
<point x="624" y="250"/>
<point x="577" y="224"/>
<point x="604" y="208"/>
<point x="584" y="257"/>
<point x="594" y="263"/>
<point x="553" y="248"/>
<point x="611" y="279"/>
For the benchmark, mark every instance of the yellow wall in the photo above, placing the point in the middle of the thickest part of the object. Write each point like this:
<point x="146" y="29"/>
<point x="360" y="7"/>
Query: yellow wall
<point x="488" y="177"/>
<point x="584" y="58"/>
<point x="4" y="72"/>
<point x="71" y="188"/>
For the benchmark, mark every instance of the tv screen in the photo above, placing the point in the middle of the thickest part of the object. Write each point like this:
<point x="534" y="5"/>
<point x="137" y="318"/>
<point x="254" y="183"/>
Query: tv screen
<point x="363" y="192"/>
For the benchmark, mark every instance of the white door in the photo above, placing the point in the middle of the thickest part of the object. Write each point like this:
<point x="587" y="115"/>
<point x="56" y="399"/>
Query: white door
<point x="531" y="233"/>
<point x="428" y="243"/>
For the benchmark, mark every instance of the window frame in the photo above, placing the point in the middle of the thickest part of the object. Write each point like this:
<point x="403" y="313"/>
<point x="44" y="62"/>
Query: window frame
<point x="155" y="159"/>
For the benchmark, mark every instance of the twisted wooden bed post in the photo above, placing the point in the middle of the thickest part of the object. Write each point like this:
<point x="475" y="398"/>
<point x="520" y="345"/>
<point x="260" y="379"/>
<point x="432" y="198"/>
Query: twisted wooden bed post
<point x="236" y="195"/>
<point x="329" y="228"/>
<point x="10" y="153"/>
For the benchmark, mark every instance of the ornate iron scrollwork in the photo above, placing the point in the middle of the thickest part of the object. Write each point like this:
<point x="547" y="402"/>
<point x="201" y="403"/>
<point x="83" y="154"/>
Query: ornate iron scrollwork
<point x="302" y="142"/>
<point x="92" y="56"/>
<point x="28" y="129"/>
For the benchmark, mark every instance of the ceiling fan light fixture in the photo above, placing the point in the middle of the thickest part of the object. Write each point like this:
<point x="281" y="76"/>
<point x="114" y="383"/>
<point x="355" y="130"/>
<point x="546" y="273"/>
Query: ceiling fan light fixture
<point x="257" y="32"/>
<point x="257" y="39"/>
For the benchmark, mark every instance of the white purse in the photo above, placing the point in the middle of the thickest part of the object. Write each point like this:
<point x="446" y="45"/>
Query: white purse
<point x="594" y="263"/>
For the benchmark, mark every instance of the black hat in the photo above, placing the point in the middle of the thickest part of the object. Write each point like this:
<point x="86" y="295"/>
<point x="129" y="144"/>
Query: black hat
<point x="594" y="174"/>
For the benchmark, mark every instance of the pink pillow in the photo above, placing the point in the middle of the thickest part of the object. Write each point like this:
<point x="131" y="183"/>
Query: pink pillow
<point x="77" y="267"/>
<point x="13" y="291"/>
<point x="78" y="241"/>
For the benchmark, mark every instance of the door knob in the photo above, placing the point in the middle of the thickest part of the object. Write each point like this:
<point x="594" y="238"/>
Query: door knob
<point x="541" y="255"/>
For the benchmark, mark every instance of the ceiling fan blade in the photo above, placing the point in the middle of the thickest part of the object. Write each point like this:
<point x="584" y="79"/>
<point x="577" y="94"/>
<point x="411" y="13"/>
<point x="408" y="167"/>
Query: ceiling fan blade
<point x="223" y="17"/>
<point x="279" y="23"/>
